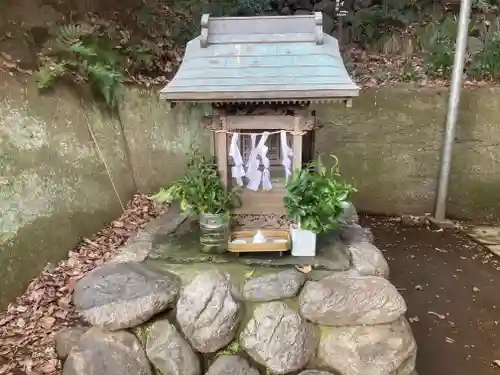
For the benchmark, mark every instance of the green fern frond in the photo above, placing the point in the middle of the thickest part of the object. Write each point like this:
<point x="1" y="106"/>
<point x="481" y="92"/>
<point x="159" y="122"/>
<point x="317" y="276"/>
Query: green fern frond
<point x="65" y="36"/>
<point x="106" y="54"/>
<point x="93" y="53"/>
<point x="83" y="50"/>
<point x="106" y="80"/>
<point x="49" y="73"/>
<point x="71" y="33"/>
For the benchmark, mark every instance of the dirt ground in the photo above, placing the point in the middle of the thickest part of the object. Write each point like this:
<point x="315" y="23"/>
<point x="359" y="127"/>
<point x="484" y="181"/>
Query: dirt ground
<point x="452" y="287"/>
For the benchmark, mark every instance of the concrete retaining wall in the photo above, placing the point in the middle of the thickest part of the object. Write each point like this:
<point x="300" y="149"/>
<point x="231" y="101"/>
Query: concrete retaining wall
<point x="389" y="143"/>
<point x="54" y="188"/>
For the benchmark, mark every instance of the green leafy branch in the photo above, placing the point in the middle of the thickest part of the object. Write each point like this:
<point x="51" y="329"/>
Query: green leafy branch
<point x="315" y="196"/>
<point x="486" y="63"/>
<point x="200" y="190"/>
<point x="438" y="42"/>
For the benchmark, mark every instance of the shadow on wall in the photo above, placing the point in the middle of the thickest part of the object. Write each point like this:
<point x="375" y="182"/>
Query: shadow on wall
<point x="54" y="187"/>
<point x="159" y="140"/>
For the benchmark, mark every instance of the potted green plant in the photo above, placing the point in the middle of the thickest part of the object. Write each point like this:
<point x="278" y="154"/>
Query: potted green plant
<point x="202" y="194"/>
<point x="316" y="197"/>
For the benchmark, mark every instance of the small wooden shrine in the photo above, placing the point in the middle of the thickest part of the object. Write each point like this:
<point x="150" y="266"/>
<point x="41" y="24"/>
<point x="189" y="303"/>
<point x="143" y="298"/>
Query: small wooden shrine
<point x="260" y="75"/>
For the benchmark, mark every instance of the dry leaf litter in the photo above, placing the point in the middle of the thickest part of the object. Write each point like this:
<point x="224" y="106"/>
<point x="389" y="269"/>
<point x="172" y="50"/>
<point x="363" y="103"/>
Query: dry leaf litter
<point x="368" y="69"/>
<point x="28" y="326"/>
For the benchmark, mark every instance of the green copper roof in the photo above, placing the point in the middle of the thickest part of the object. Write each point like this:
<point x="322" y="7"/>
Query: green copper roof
<point x="253" y="59"/>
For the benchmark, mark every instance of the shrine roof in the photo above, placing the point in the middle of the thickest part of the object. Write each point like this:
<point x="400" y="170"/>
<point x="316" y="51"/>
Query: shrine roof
<point x="261" y="59"/>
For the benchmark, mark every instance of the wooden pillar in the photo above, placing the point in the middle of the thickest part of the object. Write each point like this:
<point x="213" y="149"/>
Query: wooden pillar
<point x="312" y="117"/>
<point x="297" y="144"/>
<point x="220" y="144"/>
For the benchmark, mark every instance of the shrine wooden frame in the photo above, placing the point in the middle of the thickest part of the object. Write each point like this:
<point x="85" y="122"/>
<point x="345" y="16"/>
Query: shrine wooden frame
<point x="260" y="202"/>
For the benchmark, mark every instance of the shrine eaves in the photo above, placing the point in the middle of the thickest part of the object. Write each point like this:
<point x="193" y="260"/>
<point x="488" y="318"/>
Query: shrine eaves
<point x="261" y="59"/>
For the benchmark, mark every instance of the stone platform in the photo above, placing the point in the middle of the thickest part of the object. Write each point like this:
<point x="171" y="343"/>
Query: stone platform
<point x="162" y="302"/>
<point x="183" y="246"/>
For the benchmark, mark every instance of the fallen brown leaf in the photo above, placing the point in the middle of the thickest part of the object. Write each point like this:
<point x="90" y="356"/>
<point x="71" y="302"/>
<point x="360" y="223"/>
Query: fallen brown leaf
<point x="50" y="366"/>
<point x="440" y="316"/>
<point x="48" y="322"/>
<point x="304" y="268"/>
<point x="71" y="284"/>
<point x="28" y="326"/>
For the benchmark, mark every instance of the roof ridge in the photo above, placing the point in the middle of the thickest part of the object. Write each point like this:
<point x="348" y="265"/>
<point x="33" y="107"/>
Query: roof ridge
<point x="261" y="29"/>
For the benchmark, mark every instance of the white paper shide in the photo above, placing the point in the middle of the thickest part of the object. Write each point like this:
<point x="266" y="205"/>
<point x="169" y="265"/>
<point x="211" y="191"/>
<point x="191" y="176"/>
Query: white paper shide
<point x="256" y="169"/>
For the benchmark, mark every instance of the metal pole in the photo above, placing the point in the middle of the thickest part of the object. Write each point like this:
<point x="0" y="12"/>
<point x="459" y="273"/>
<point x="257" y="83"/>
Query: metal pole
<point x="453" y="104"/>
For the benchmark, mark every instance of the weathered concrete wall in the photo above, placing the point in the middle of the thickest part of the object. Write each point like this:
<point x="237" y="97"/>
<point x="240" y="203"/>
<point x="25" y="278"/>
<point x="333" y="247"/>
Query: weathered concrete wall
<point x="54" y="188"/>
<point x="159" y="138"/>
<point x="389" y="144"/>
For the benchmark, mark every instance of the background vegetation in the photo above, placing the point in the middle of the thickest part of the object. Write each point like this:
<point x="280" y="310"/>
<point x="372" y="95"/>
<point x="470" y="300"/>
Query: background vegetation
<point x="427" y="30"/>
<point x="142" y="41"/>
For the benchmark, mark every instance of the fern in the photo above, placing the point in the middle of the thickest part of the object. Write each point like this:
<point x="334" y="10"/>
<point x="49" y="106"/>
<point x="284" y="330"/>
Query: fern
<point x="72" y="33"/>
<point x="49" y="73"/>
<point x="80" y="53"/>
<point x="86" y="52"/>
<point x="107" y="81"/>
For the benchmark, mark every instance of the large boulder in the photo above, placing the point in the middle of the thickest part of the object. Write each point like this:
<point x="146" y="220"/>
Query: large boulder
<point x="168" y="351"/>
<point x="208" y="311"/>
<point x="349" y="214"/>
<point x="123" y="295"/>
<point x="66" y="339"/>
<point x="368" y="260"/>
<point x="315" y="372"/>
<point x="110" y="353"/>
<point x="285" y="284"/>
<point x="231" y="365"/>
<point x="348" y="299"/>
<point x="278" y="338"/>
<point x="354" y="233"/>
<point x="387" y="349"/>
